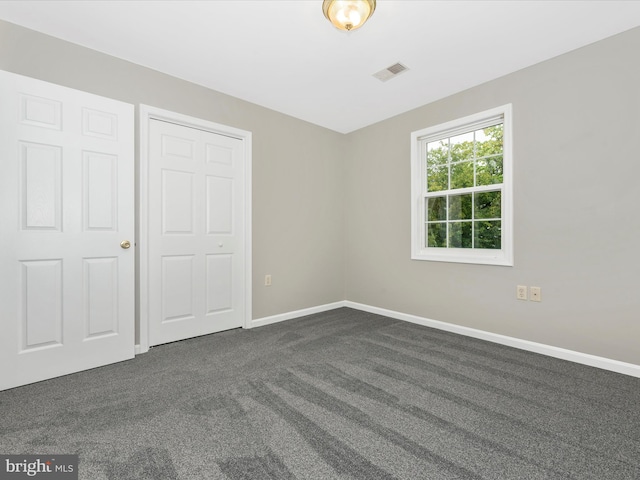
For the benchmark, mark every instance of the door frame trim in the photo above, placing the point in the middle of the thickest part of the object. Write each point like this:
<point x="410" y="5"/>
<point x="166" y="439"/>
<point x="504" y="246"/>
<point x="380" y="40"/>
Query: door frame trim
<point x="148" y="113"/>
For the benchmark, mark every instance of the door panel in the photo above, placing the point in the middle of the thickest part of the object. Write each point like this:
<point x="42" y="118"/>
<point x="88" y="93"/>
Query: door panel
<point x="219" y="203"/>
<point x="177" y="288"/>
<point x="66" y="196"/>
<point x="40" y="186"/>
<point x="100" y="296"/>
<point x="196" y="236"/>
<point x="100" y="191"/>
<point x="219" y="282"/>
<point x="177" y="202"/>
<point x="41" y="302"/>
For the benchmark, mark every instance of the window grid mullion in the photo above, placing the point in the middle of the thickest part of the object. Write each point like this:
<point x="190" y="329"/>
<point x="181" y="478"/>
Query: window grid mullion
<point x="473" y="194"/>
<point x="449" y="189"/>
<point x="473" y="216"/>
<point x="461" y="191"/>
<point x="448" y="223"/>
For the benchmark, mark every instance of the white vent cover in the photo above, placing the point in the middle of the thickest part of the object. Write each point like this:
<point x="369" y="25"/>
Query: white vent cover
<point x="390" y="72"/>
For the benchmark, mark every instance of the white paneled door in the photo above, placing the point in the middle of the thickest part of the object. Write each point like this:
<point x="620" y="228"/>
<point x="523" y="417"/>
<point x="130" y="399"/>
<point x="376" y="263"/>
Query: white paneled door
<point x="196" y="227"/>
<point x="66" y="204"/>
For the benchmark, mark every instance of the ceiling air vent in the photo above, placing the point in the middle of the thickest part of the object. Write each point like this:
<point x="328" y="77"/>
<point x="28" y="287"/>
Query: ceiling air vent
<point x="390" y="72"/>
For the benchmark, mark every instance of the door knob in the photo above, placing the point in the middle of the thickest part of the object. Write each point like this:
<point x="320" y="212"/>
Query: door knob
<point x="125" y="244"/>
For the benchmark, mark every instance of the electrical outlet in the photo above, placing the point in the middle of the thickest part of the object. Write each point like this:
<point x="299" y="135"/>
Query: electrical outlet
<point x="521" y="292"/>
<point x="536" y="294"/>
<point x="267" y="280"/>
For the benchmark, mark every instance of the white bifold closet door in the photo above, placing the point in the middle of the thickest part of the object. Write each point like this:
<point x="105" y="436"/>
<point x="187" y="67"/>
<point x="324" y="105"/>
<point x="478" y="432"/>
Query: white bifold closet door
<point x="66" y="205"/>
<point x="196" y="232"/>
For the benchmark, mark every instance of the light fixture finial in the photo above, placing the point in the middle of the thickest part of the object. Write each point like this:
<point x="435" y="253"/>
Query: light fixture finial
<point x="348" y="14"/>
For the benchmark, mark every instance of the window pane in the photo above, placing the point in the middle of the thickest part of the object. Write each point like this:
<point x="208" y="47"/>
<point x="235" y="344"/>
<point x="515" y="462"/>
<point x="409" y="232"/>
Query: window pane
<point x="460" y="207"/>
<point x="462" y="175"/>
<point x="438" y="152"/>
<point x="489" y="141"/>
<point x="461" y="147"/>
<point x="489" y="170"/>
<point x="438" y="178"/>
<point x="488" y="234"/>
<point x="488" y="205"/>
<point x="460" y="235"/>
<point x="436" y="209"/>
<point x="436" y="235"/>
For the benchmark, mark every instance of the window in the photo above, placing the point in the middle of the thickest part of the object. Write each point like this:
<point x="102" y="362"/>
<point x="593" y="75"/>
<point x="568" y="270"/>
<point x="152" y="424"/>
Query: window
<point x="461" y="190"/>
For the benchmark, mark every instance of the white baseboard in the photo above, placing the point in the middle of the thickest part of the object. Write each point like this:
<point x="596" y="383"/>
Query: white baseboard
<point x="260" y="322"/>
<point x="551" y="351"/>
<point x="564" y="354"/>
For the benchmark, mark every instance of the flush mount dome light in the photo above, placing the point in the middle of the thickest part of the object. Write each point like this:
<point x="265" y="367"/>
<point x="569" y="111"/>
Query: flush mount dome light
<point x="348" y="14"/>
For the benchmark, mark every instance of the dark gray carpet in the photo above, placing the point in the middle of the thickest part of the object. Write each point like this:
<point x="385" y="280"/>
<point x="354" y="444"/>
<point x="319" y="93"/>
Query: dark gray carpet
<point x="339" y="395"/>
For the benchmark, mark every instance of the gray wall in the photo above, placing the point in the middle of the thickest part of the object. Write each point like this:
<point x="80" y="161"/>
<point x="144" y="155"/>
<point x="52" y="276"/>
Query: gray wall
<point x="331" y="215"/>
<point x="576" y="202"/>
<point x="298" y="236"/>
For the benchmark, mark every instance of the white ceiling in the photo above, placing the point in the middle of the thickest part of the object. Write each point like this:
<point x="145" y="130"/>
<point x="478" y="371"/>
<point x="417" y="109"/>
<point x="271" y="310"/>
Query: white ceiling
<point x="286" y="56"/>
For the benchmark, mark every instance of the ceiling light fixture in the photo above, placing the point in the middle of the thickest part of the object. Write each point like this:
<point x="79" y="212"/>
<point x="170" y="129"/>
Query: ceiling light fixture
<point x="348" y="14"/>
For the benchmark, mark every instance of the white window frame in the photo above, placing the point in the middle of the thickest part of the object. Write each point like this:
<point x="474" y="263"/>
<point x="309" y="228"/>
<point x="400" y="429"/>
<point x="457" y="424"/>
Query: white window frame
<point x="419" y="140"/>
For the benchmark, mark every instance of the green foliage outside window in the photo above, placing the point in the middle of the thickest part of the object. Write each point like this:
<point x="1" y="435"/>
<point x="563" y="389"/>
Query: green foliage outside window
<point x="469" y="219"/>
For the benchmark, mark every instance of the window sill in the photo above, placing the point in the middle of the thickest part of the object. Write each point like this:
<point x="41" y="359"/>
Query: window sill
<point x="498" y="258"/>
